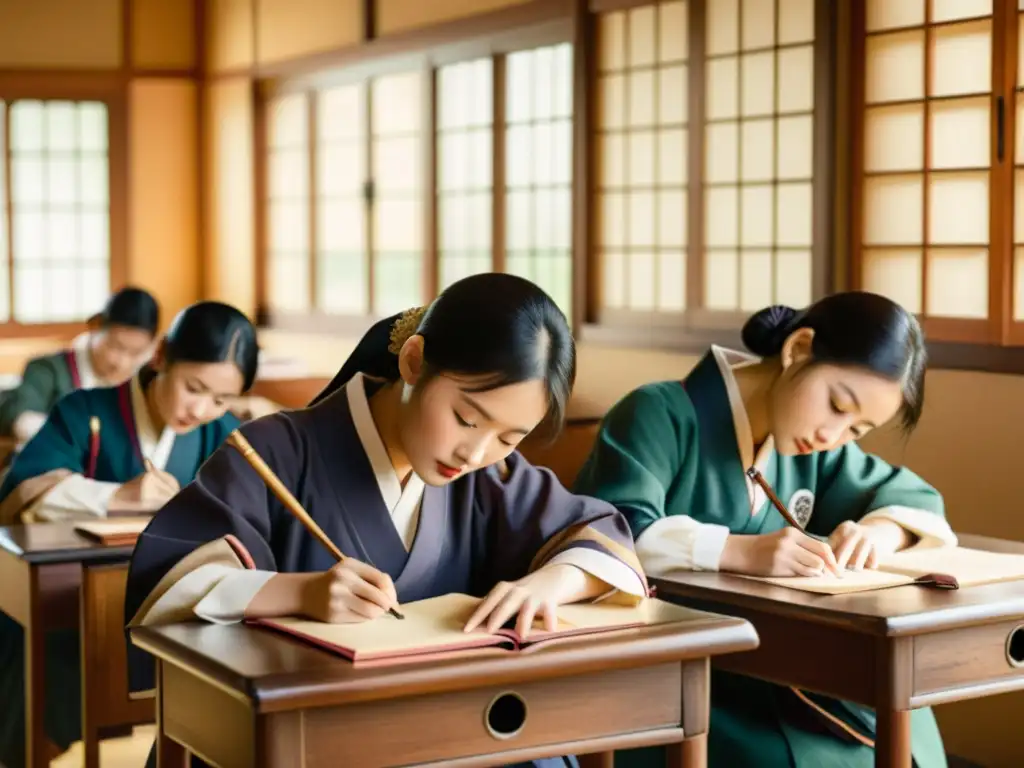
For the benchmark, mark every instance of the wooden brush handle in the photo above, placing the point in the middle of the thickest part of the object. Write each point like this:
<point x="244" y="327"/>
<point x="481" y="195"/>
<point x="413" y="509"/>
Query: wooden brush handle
<point x="283" y="494"/>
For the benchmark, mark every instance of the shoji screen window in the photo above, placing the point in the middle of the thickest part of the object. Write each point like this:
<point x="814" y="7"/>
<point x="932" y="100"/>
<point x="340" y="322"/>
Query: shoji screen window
<point x="641" y="147"/>
<point x="925" y="220"/>
<point x="289" y="209"/>
<point x="758" y="153"/>
<point x="397" y="171"/>
<point x="56" y="243"/>
<point x="342" y="267"/>
<point x="464" y="169"/>
<point x="538" y="169"/>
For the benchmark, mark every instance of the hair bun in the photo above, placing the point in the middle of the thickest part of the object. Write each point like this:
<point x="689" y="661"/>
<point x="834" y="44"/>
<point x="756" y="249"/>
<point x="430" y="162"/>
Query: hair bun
<point x="766" y="331"/>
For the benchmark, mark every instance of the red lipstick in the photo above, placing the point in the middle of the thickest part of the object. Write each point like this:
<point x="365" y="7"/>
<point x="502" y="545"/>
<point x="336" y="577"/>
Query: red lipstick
<point x="445" y="471"/>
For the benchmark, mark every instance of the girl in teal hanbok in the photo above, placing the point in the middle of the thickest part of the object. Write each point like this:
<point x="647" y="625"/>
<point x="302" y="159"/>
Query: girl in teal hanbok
<point x="128" y="448"/>
<point x="673" y="458"/>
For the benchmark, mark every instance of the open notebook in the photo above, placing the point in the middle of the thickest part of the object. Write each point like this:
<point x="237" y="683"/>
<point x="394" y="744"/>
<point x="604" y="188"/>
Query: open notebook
<point x="432" y="629"/>
<point x="114" y="533"/>
<point x="944" y="567"/>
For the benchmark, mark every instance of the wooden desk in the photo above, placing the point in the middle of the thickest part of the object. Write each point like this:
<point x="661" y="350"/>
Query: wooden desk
<point x="894" y="649"/>
<point x="241" y="697"/>
<point x="41" y="569"/>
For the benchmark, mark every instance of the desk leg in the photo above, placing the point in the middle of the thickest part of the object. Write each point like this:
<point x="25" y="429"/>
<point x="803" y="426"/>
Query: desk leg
<point x="691" y="753"/>
<point x="598" y="760"/>
<point x="37" y="751"/>
<point x="892" y="745"/>
<point x="169" y="753"/>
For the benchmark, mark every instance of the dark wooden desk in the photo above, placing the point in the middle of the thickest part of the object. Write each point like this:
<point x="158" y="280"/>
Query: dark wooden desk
<point x="241" y="697"/>
<point x="41" y="568"/>
<point x="894" y="649"/>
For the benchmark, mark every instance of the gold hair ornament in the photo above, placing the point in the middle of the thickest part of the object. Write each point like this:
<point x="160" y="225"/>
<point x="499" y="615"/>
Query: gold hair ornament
<point x="405" y="328"/>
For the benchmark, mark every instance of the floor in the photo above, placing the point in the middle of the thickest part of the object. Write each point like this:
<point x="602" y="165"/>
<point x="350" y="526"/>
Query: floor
<point x="128" y="752"/>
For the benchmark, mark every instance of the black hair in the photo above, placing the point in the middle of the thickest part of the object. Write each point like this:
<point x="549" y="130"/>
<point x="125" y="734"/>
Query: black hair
<point x="131" y="308"/>
<point x="212" y="332"/>
<point x="853" y="328"/>
<point x="497" y="326"/>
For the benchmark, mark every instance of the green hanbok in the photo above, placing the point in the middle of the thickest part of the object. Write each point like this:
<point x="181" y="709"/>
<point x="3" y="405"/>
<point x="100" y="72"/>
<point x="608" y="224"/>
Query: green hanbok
<point x="672" y="457"/>
<point x="70" y="470"/>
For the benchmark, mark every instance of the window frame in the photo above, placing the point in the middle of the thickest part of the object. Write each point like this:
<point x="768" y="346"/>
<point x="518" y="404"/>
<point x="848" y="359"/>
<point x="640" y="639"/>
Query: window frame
<point x="995" y="344"/>
<point x="539" y="23"/>
<point x="697" y="327"/>
<point x="31" y="86"/>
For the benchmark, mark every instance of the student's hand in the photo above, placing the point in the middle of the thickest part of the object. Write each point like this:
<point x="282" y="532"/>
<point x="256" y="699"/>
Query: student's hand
<point x="349" y="592"/>
<point x="150" y="490"/>
<point x="862" y="545"/>
<point x="787" y="552"/>
<point x="536" y="595"/>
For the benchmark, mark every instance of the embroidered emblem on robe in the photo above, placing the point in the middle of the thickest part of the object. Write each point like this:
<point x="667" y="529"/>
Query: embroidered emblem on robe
<point x="801" y="504"/>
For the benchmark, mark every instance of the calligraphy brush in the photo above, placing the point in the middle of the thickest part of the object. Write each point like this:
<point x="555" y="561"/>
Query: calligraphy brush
<point x="758" y="478"/>
<point x="285" y="496"/>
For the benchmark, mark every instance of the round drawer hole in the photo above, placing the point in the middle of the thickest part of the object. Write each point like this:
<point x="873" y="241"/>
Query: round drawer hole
<point x="1015" y="647"/>
<point x="505" y="715"/>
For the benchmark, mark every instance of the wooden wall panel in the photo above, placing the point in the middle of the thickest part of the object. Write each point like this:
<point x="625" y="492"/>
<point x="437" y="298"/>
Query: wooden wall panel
<point x="229" y="34"/>
<point x="229" y="270"/>
<point x="163" y="34"/>
<point x="288" y="29"/>
<point x="60" y="33"/>
<point x="163" y="191"/>
<point x="399" y="15"/>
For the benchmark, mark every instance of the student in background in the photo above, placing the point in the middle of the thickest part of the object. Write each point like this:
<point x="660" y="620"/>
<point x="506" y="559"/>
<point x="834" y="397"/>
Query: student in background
<point x="155" y="432"/>
<point x="119" y="340"/>
<point x="407" y="461"/>
<point x="673" y="456"/>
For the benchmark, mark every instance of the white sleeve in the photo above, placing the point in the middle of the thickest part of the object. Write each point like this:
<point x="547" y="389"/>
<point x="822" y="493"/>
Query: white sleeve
<point x="680" y="543"/>
<point x="608" y="569"/>
<point x="213" y="592"/>
<point x="932" y="529"/>
<point x="27" y="424"/>
<point x="76" y="497"/>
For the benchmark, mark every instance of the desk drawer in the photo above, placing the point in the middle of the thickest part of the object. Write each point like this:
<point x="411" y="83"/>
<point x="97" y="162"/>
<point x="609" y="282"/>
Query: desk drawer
<point x="489" y="720"/>
<point x="990" y="654"/>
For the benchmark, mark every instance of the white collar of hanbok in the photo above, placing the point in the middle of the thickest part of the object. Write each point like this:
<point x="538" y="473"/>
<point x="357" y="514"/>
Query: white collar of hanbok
<point x="80" y="346"/>
<point x="729" y="361"/>
<point x="396" y="498"/>
<point x="155" y="446"/>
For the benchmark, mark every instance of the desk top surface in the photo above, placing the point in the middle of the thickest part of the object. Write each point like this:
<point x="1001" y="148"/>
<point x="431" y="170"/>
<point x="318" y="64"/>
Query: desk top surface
<point x="906" y="610"/>
<point x="276" y="672"/>
<point x="47" y="543"/>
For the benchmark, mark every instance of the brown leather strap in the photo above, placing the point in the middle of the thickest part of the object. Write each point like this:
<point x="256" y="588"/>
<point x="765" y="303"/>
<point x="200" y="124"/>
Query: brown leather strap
<point x="835" y="724"/>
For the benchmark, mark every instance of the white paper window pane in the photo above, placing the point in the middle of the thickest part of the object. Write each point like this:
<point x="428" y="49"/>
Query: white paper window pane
<point x="671" y="281"/>
<point x="721" y="228"/>
<point x="341" y="283"/>
<point x="895" y="67"/>
<point x="60" y="181"/>
<point x="755" y="280"/>
<point x="757" y="211"/>
<point x="93" y="176"/>
<point x="61" y="293"/>
<point x="888" y="14"/>
<point x="721" y="280"/>
<point x="94" y="232"/>
<point x="62" y="231"/>
<point x="796" y="21"/>
<point x="722" y="26"/>
<point x="882" y="196"/>
<point x="958" y="210"/>
<point x="641" y="281"/>
<point x="896" y="274"/>
<point x="614" y="282"/>
<point x="793" y="278"/>
<point x="30" y="292"/>
<point x="958" y="283"/>
<point x="27" y="126"/>
<point x="289" y="283"/>
<point x="960" y="133"/>
<point x="29" y="236"/>
<point x="961" y="59"/>
<point x="793" y="215"/>
<point x="92" y="122"/>
<point x="894" y="137"/>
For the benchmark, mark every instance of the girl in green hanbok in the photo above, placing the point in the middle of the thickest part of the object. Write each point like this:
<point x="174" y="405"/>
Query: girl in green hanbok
<point x="673" y="458"/>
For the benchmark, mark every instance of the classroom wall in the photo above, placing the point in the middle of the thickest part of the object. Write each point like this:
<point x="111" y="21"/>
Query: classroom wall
<point x="51" y="39"/>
